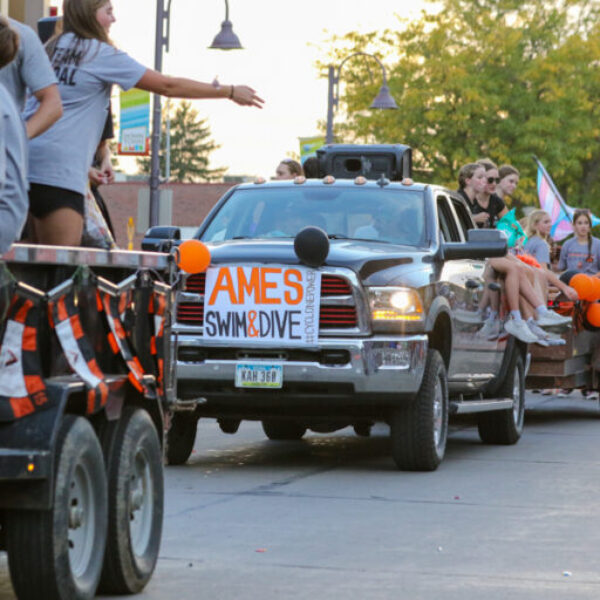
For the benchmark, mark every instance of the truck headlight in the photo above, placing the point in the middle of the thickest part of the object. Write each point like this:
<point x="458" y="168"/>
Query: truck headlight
<point x="395" y="304"/>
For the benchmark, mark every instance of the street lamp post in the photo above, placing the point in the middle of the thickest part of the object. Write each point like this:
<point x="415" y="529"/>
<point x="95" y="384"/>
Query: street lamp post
<point x="383" y="100"/>
<point x="224" y="40"/>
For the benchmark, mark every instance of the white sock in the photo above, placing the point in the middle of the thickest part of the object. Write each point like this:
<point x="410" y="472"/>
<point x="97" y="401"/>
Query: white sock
<point x="493" y="315"/>
<point x="516" y="315"/>
<point x="542" y="309"/>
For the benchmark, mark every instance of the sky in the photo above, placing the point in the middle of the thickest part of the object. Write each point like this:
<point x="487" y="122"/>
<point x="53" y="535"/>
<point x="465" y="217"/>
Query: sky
<point x="282" y="41"/>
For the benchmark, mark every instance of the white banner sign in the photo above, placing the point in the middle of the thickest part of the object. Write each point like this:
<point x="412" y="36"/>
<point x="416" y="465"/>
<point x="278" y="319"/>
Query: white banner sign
<point x="262" y="305"/>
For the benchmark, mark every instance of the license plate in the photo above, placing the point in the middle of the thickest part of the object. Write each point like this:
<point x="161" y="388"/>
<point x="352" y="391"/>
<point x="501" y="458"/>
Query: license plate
<point x="258" y="376"/>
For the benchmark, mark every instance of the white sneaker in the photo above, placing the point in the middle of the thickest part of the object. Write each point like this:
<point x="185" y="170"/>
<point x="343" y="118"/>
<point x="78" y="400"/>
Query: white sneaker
<point x="536" y="330"/>
<point x="490" y="329"/>
<point x="552" y="318"/>
<point x="519" y="329"/>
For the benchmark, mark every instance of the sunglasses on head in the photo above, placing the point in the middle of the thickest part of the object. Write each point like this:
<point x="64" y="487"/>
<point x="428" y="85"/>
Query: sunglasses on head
<point x="493" y="179"/>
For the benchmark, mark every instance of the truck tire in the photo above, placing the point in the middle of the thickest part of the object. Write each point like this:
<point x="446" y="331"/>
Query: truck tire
<point x="181" y="437"/>
<point x="506" y="426"/>
<point x="419" y="431"/>
<point x="57" y="554"/>
<point x="283" y="430"/>
<point x="135" y="501"/>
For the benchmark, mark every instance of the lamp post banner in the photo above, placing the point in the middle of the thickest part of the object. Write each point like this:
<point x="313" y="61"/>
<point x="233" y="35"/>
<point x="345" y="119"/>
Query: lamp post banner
<point x="309" y="146"/>
<point x="134" y="128"/>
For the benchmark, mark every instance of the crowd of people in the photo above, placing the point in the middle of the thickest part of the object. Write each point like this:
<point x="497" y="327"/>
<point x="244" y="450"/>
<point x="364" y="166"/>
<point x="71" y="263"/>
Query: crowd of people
<point x="49" y="142"/>
<point x="528" y="270"/>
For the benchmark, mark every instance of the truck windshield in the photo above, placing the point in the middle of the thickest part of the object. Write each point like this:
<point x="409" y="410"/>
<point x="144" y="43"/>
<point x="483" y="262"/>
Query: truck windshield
<point x="385" y="215"/>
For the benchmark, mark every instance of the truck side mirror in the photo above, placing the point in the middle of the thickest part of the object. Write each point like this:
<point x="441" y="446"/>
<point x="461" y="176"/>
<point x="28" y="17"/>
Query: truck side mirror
<point x="480" y="244"/>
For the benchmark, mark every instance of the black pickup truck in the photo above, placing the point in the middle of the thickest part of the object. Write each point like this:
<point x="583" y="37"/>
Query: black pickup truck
<point x="343" y="300"/>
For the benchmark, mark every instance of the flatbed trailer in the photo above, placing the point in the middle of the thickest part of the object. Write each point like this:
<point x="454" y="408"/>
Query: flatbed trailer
<point x="85" y="382"/>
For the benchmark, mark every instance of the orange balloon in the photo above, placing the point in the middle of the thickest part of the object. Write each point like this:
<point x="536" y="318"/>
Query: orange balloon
<point x="192" y="256"/>
<point x="593" y="314"/>
<point x="583" y="285"/>
<point x="595" y="288"/>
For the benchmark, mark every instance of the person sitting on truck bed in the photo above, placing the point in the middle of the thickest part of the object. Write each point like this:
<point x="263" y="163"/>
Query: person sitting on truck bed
<point x="13" y="151"/>
<point x="538" y="242"/>
<point x="472" y="181"/>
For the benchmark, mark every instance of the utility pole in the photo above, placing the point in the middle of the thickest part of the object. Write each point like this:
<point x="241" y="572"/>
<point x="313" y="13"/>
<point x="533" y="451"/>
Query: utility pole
<point x="161" y="40"/>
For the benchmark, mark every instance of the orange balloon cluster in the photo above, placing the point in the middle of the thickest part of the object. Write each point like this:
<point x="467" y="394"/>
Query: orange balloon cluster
<point x="192" y="256"/>
<point x="592" y="314"/>
<point x="586" y="286"/>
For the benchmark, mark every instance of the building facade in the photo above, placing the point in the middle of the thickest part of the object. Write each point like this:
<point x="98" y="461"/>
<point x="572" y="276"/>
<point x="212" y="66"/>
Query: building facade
<point x="26" y="11"/>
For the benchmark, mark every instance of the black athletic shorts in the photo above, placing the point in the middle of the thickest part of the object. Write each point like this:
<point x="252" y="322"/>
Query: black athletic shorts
<point x="44" y="199"/>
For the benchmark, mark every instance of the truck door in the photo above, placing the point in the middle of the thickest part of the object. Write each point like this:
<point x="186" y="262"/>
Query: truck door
<point x="474" y="358"/>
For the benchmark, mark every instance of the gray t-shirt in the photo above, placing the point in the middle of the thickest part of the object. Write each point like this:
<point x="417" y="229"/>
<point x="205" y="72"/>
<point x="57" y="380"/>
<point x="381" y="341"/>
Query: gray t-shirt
<point x="85" y="69"/>
<point x="13" y="175"/>
<point x="575" y="256"/>
<point x="30" y="69"/>
<point x="539" y="249"/>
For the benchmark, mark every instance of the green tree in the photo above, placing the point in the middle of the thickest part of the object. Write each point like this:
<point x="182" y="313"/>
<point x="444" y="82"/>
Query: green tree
<point x="499" y="78"/>
<point x="191" y="145"/>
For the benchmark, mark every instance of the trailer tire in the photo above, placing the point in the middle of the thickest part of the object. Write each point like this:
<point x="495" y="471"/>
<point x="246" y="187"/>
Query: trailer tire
<point x="506" y="426"/>
<point x="181" y="437"/>
<point x="419" y="431"/>
<point x="57" y="553"/>
<point x="283" y="430"/>
<point x="135" y="501"/>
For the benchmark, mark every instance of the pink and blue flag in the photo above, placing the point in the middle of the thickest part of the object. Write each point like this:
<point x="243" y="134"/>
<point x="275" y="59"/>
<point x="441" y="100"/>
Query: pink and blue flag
<point x="551" y="201"/>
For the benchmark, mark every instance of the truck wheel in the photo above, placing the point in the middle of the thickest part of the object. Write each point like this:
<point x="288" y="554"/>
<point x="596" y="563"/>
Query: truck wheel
<point x="135" y="501"/>
<point x="506" y="426"/>
<point x="283" y="430"/>
<point x="57" y="553"/>
<point x="419" y="431"/>
<point x="181" y="437"/>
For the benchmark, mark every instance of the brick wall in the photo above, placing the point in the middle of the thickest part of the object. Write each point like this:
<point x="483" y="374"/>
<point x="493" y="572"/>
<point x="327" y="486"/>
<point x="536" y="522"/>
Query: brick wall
<point x="191" y="203"/>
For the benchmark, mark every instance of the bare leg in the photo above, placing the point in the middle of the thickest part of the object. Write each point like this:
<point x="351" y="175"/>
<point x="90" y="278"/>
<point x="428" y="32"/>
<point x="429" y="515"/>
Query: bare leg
<point x="512" y="280"/>
<point x="527" y="290"/>
<point x="62" y="227"/>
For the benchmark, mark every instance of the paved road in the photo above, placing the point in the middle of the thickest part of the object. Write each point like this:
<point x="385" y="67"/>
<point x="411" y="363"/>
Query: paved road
<point x="331" y="518"/>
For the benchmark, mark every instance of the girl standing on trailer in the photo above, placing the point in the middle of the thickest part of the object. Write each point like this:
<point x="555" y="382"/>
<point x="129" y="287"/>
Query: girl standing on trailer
<point x="87" y="64"/>
<point x="581" y="252"/>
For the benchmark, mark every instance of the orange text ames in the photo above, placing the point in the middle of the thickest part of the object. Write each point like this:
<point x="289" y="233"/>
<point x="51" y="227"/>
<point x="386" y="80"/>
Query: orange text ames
<point x="263" y="285"/>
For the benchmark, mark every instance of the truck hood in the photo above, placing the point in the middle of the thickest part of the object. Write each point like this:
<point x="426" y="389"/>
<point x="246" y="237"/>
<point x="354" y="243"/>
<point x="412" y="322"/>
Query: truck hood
<point x="375" y="263"/>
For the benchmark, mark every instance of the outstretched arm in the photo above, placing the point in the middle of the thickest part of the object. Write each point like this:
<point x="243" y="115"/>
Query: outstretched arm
<point x="179" y="87"/>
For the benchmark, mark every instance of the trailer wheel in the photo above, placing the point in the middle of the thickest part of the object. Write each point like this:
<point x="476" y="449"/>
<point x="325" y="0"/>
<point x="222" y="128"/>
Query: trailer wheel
<point x="283" y="430"/>
<point x="419" y="431"/>
<point x="181" y="437"/>
<point x="506" y="426"/>
<point x="57" y="553"/>
<point x="135" y="501"/>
